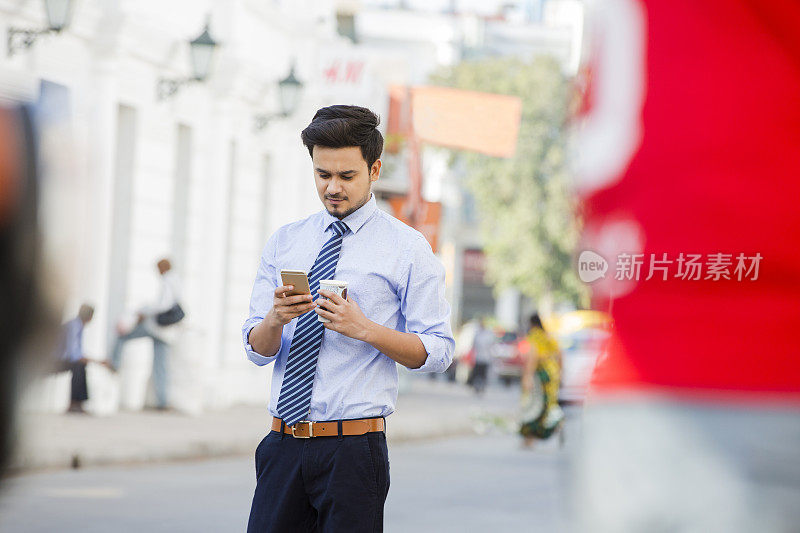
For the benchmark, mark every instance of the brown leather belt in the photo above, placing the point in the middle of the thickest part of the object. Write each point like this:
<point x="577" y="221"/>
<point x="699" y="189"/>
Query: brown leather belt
<point x="306" y="430"/>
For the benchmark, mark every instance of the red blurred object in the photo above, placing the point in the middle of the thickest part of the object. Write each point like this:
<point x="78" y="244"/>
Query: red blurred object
<point x="469" y="358"/>
<point x="523" y="346"/>
<point x="10" y="163"/>
<point x="713" y="168"/>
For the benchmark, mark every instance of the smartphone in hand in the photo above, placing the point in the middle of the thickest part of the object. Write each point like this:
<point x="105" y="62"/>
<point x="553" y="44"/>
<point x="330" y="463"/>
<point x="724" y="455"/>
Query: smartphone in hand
<point x="297" y="278"/>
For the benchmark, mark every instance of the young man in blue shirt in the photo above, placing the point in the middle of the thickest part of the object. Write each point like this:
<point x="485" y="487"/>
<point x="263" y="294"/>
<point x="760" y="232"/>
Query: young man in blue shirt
<point x="324" y="466"/>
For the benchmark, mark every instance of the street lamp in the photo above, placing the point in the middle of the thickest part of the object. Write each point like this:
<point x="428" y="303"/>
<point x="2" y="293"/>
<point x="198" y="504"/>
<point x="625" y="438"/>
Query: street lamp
<point x="201" y="50"/>
<point x="59" y="13"/>
<point x="289" y="92"/>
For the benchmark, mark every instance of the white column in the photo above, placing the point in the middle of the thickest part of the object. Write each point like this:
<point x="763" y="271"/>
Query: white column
<point x="217" y="146"/>
<point x="98" y="232"/>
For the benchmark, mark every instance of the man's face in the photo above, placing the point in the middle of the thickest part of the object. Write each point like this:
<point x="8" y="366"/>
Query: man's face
<point x="343" y="179"/>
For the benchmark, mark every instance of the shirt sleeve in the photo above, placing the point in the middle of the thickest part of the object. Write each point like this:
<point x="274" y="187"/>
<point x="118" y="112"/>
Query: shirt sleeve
<point x="261" y="301"/>
<point x="425" y="308"/>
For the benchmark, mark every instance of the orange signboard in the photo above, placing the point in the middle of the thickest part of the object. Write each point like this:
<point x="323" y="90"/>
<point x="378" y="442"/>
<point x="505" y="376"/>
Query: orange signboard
<point x="429" y="222"/>
<point x="479" y="122"/>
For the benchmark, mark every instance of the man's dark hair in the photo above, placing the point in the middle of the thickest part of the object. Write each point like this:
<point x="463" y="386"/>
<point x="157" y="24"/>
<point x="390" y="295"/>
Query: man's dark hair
<point x="536" y="321"/>
<point x="339" y="126"/>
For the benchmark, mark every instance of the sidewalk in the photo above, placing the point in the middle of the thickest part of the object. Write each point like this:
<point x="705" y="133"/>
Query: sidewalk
<point x="428" y="410"/>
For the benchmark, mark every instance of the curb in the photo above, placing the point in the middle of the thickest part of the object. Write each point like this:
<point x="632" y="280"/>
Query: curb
<point x="203" y="450"/>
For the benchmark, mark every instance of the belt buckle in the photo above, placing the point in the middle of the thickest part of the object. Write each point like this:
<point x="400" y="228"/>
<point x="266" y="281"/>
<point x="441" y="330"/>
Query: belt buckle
<point x="310" y="429"/>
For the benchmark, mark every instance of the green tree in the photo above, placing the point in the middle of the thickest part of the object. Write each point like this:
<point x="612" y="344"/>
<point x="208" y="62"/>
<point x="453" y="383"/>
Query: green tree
<point x="527" y="215"/>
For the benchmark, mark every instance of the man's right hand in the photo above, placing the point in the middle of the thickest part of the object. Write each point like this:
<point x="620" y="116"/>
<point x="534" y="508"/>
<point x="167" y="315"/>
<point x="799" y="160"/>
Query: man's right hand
<point x="285" y="308"/>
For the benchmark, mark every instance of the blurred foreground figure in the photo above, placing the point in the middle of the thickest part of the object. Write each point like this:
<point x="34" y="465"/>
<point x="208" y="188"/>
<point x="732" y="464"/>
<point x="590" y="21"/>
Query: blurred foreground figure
<point x="25" y="324"/>
<point x="688" y="168"/>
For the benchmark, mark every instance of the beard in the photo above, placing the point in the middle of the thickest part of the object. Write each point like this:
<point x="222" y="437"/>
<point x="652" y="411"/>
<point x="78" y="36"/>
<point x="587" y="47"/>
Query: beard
<point x="352" y="209"/>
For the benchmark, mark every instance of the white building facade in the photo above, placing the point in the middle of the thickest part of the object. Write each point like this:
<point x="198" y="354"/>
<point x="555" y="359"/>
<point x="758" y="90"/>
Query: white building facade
<point x="130" y="178"/>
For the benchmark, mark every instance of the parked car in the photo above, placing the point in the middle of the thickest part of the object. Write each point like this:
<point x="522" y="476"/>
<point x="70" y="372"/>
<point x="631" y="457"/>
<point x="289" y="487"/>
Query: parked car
<point x="582" y="336"/>
<point x="507" y="361"/>
<point x="509" y="357"/>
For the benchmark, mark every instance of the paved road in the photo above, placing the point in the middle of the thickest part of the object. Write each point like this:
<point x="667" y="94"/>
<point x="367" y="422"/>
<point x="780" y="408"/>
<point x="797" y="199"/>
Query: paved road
<point x="479" y="483"/>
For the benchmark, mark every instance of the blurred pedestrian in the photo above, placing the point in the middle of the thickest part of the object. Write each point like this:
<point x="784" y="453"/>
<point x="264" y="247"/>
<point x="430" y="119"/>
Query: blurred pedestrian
<point x="334" y="382"/>
<point x="28" y="318"/>
<point x="541" y="378"/>
<point x="459" y="369"/>
<point x="482" y="347"/>
<point x="690" y="174"/>
<point x="158" y="322"/>
<point x="73" y="360"/>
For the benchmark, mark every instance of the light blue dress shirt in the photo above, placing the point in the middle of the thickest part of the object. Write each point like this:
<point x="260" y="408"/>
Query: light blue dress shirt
<point x="72" y="347"/>
<point x="395" y="279"/>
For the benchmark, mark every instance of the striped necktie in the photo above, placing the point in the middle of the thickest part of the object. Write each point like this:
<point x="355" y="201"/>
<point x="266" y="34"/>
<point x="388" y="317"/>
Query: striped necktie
<point x="298" y="377"/>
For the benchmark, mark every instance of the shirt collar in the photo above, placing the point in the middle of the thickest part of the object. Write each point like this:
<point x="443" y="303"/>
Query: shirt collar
<point x="356" y="219"/>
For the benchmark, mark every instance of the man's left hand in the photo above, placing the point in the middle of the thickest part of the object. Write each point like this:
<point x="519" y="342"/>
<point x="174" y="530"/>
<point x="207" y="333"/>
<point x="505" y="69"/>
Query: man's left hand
<point x="345" y="316"/>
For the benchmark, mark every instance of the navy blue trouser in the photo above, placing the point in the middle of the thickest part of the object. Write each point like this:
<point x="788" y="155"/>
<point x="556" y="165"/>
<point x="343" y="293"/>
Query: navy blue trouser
<point x="321" y="484"/>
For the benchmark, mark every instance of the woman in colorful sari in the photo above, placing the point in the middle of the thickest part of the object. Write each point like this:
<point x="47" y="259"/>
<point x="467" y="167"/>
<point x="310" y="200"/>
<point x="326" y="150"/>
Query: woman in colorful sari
<point x="541" y="414"/>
